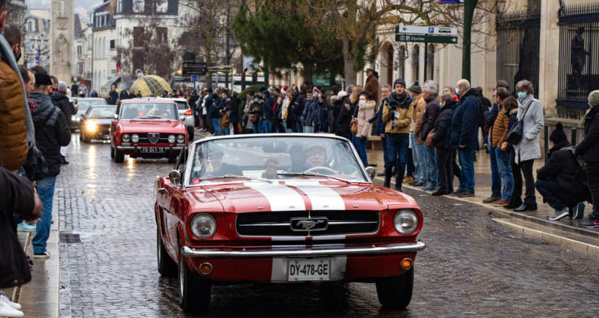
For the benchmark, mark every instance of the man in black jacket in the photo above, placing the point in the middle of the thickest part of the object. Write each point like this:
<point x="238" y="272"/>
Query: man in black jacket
<point x="51" y="132"/>
<point x="559" y="181"/>
<point x="444" y="155"/>
<point x="124" y="95"/>
<point x="588" y="149"/>
<point x="60" y="100"/>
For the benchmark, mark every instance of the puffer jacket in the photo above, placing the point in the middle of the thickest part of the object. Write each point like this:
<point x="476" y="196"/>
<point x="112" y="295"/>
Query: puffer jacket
<point x="365" y="112"/>
<point x="500" y="128"/>
<point x="418" y="104"/>
<point x="529" y="147"/>
<point x="61" y="101"/>
<point x="464" y="123"/>
<point x="402" y="114"/>
<point x="442" y="125"/>
<point x="13" y="134"/>
<point x="16" y="197"/>
<point x="589" y="147"/>
<point x="55" y="133"/>
<point x="431" y="112"/>
<point x="372" y="88"/>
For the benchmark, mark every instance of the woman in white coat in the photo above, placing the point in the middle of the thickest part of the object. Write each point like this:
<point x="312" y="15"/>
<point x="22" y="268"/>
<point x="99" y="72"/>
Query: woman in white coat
<point x="528" y="149"/>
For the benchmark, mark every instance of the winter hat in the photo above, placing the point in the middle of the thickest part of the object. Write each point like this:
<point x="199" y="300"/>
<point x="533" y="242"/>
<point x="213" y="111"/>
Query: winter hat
<point x="365" y="94"/>
<point x="341" y="94"/>
<point x="558" y="135"/>
<point x="286" y="88"/>
<point x="415" y="88"/>
<point x="594" y="98"/>
<point x="42" y="79"/>
<point x="62" y="87"/>
<point x="399" y="80"/>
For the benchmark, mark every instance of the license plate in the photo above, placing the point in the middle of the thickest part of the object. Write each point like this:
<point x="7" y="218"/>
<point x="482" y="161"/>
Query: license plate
<point x="308" y="269"/>
<point x="152" y="149"/>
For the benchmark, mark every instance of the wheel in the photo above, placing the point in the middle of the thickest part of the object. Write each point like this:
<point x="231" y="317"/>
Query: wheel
<point x="111" y="152"/>
<point x="85" y="138"/>
<point x="119" y="157"/>
<point x="190" y="132"/>
<point x="166" y="265"/>
<point x="194" y="293"/>
<point x="396" y="292"/>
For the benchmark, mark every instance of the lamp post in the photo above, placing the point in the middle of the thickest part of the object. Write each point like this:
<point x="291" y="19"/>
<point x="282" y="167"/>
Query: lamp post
<point x="469" y="7"/>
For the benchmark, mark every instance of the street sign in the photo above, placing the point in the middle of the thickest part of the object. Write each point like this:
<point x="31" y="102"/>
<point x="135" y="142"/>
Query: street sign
<point x="426" y="38"/>
<point x="194" y="68"/>
<point x="220" y="68"/>
<point x="194" y="78"/>
<point x="432" y="30"/>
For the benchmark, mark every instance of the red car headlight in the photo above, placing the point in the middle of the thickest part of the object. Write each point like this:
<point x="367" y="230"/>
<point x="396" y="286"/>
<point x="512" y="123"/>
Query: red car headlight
<point x="203" y="225"/>
<point x="405" y="221"/>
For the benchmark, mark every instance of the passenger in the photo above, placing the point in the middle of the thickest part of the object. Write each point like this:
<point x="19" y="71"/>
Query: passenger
<point x="214" y="166"/>
<point x="315" y="155"/>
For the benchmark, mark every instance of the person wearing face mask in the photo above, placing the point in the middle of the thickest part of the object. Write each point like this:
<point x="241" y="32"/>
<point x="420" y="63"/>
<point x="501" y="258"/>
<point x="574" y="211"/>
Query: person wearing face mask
<point x="588" y="149"/>
<point x="15" y="139"/>
<point x="365" y="112"/>
<point x="528" y="148"/>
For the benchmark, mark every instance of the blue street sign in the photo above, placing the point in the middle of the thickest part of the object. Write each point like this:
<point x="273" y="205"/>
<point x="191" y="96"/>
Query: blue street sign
<point x="37" y="60"/>
<point x="431" y="30"/>
<point x="194" y="78"/>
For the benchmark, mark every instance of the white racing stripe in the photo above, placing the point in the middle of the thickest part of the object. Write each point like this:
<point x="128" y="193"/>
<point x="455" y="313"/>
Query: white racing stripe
<point x="323" y="197"/>
<point x="280" y="197"/>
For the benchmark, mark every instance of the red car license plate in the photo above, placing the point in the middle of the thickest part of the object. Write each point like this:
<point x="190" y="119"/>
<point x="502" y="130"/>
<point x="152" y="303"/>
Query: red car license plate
<point x="152" y="149"/>
<point x="308" y="269"/>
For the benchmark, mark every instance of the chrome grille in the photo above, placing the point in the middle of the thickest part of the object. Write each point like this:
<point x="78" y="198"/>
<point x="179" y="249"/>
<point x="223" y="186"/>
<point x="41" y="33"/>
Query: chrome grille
<point x="143" y="138"/>
<point x="280" y="223"/>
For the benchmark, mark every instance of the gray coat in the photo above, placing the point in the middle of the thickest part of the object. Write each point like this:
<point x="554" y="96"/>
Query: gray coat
<point x="529" y="148"/>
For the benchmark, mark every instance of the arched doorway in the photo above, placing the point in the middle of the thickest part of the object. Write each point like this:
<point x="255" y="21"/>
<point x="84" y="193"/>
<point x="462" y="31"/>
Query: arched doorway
<point x="430" y="66"/>
<point x="415" y="64"/>
<point x="402" y="61"/>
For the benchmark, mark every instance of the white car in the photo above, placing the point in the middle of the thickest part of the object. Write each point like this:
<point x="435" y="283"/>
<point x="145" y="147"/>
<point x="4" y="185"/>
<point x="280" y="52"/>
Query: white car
<point x="187" y="112"/>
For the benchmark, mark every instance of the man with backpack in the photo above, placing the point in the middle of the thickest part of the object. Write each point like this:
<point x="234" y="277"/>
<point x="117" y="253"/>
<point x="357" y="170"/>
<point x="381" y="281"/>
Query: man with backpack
<point x="51" y="132"/>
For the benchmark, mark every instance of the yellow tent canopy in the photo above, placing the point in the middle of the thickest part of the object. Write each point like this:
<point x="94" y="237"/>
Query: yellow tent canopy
<point x="150" y="85"/>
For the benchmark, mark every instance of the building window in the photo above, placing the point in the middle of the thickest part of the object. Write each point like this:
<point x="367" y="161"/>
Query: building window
<point x="138" y="37"/>
<point x="119" y="6"/>
<point x="415" y="63"/>
<point x="161" y="35"/>
<point x="112" y="44"/>
<point x="430" y="67"/>
<point x="402" y="61"/>
<point x="79" y="50"/>
<point x="161" y="6"/>
<point x="138" y="6"/>
<point x="29" y="24"/>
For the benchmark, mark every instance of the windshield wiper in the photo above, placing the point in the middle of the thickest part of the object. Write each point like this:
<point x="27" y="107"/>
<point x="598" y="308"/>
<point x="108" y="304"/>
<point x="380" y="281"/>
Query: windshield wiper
<point x="312" y="174"/>
<point x="233" y="176"/>
<point x="151" y="117"/>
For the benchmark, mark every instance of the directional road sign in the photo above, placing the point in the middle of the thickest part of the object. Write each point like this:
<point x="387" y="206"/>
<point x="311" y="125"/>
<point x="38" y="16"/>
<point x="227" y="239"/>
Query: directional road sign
<point x="432" y="30"/>
<point x="194" y="68"/>
<point x="426" y="38"/>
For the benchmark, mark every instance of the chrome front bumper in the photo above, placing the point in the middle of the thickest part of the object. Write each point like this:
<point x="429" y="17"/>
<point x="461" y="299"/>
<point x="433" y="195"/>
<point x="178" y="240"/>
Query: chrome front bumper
<point x="135" y="148"/>
<point x="305" y="252"/>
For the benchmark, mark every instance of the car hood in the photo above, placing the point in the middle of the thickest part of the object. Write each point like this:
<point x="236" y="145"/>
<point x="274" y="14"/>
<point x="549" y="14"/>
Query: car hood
<point x="173" y="126"/>
<point x="256" y="196"/>
<point x="101" y="121"/>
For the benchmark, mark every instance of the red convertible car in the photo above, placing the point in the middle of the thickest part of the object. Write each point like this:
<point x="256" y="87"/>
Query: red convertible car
<point x="149" y="129"/>
<point x="282" y="208"/>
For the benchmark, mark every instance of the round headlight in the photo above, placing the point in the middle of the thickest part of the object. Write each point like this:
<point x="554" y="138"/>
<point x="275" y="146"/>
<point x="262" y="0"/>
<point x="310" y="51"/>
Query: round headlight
<point x="180" y="139"/>
<point x="135" y="138"/>
<point x="91" y="126"/>
<point x="405" y="221"/>
<point x="126" y="138"/>
<point x="203" y="225"/>
<point x="171" y="139"/>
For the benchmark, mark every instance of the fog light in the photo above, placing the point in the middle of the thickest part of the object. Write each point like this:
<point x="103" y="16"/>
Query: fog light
<point x="206" y="268"/>
<point x="406" y="264"/>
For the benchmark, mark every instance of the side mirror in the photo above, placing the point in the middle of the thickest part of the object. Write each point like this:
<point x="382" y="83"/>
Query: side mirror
<point x="175" y="177"/>
<point x="116" y="116"/>
<point x="371" y="172"/>
<point x="182" y="118"/>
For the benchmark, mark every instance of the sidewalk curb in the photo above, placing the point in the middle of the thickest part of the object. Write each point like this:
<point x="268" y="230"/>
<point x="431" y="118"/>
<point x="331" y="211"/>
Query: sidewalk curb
<point x="568" y="243"/>
<point x="522" y="216"/>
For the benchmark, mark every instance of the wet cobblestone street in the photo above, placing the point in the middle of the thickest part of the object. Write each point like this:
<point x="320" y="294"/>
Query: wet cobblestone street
<point x="472" y="266"/>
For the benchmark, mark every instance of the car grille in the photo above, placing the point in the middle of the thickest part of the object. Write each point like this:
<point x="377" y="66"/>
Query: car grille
<point x="280" y="223"/>
<point x="143" y="138"/>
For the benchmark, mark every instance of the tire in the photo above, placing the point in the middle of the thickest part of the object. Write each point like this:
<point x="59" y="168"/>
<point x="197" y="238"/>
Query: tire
<point x="111" y="153"/>
<point x="119" y="157"/>
<point x="166" y="265"/>
<point x="194" y="293"/>
<point x="396" y="292"/>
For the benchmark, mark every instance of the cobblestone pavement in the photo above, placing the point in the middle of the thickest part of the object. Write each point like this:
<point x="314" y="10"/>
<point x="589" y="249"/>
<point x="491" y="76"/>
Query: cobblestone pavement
<point x="471" y="267"/>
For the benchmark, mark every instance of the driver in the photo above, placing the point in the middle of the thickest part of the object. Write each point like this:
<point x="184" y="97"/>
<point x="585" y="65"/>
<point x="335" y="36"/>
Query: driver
<point x="215" y="167"/>
<point x="315" y="155"/>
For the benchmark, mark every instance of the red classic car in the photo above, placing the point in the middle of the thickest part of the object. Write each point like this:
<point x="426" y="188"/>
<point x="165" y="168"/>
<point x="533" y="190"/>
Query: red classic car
<point x="148" y="129"/>
<point x="282" y="208"/>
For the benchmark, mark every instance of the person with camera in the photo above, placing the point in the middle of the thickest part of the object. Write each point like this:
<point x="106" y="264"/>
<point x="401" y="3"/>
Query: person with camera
<point x="397" y="116"/>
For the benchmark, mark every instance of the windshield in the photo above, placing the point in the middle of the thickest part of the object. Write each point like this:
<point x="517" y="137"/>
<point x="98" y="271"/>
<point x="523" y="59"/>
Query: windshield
<point x="101" y="111"/>
<point x="155" y="111"/>
<point x="84" y="104"/>
<point x="182" y="105"/>
<point x="277" y="158"/>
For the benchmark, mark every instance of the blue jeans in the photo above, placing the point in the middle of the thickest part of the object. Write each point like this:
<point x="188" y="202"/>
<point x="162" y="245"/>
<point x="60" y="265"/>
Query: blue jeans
<point x="419" y="155"/>
<point x="495" y="174"/>
<point x="225" y="130"/>
<point x="552" y="193"/>
<point x="467" y="162"/>
<point x="45" y="189"/>
<point x="432" y="172"/>
<point x="504" y="167"/>
<point x="361" y="148"/>
<point x="299" y="126"/>
<point x="216" y="125"/>
<point x="397" y="145"/>
<point x="267" y="126"/>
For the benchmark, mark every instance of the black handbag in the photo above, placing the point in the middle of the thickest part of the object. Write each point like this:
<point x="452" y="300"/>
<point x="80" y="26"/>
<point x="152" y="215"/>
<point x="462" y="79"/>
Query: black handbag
<point x="514" y="136"/>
